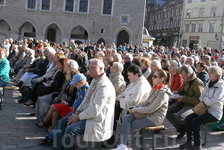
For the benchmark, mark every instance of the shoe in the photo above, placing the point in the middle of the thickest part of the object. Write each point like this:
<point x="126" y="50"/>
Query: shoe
<point x="221" y="126"/>
<point x="196" y="148"/>
<point x="38" y="124"/>
<point x="30" y="102"/>
<point x="121" y="147"/>
<point x="21" y="101"/>
<point x="186" y="145"/>
<point x="32" y="114"/>
<point x="45" y="141"/>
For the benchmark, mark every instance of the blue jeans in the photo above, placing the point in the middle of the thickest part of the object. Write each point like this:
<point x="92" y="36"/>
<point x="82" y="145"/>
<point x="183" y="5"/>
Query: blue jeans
<point x="64" y="120"/>
<point x="131" y="123"/>
<point x="193" y="123"/>
<point x="3" y="84"/>
<point x="62" y="136"/>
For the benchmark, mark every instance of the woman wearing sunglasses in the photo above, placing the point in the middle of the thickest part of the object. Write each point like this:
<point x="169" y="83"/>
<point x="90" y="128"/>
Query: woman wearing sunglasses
<point x="152" y="111"/>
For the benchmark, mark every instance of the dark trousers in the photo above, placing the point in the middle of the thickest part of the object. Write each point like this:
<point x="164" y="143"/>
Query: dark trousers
<point x="113" y="140"/>
<point x="193" y="123"/>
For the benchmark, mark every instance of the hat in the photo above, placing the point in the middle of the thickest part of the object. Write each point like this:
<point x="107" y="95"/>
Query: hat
<point x="78" y="77"/>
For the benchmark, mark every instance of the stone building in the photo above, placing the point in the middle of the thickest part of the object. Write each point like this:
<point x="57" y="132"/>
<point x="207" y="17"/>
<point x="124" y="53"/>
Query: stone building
<point x="163" y="21"/>
<point x="202" y="25"/>
<point x="108" y="21"/>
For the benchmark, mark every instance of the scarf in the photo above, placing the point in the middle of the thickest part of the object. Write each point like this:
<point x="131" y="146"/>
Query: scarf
<point x="210" y="84"/>
<point x="155" y="88"/>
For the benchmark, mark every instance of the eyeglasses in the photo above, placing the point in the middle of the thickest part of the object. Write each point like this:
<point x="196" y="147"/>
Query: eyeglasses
<point x="154" y="76"/>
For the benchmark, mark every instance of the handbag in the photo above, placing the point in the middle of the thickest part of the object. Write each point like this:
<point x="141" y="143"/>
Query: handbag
<point x="200" y="109"/>
<point x="139" y="115"/>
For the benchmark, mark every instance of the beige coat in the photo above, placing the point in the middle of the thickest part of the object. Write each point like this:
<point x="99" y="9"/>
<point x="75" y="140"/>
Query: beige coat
<point x="156" y="105"/>
<point x="98" y="110"/>
<point x="135" y="93"/>
<point x="118" y="82"/>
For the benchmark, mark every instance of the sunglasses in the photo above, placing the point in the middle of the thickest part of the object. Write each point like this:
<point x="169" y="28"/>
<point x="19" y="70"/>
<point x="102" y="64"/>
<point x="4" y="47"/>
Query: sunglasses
<point x="154" y="76"/>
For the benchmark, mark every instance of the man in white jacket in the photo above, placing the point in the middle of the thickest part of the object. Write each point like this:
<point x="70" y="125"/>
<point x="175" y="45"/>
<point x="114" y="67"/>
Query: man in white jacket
<point x="94" y="117"/>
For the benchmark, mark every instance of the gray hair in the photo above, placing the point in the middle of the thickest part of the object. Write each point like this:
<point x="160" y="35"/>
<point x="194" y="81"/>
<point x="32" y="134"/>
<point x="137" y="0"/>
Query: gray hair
<point x="192" y="59"/>
<point x="187" y="69"/>
<point x="72" y="64"/>
<point x="156" y="63"/>
<point x="98" y="62"/>
<point x="216" y="70"/>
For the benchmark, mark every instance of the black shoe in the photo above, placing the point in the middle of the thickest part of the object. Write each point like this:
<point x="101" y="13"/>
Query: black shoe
<point x="186" y="145"/>
<point x="45" y="141"/>
<point x="22" y="100"/>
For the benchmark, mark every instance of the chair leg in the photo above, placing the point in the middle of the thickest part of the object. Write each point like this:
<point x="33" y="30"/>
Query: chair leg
<point x="141" y="140"/>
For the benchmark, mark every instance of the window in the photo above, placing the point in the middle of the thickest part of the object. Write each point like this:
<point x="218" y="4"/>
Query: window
<point x="203" y="0"/>
<point x="178" y="23"/>
<point x="167" y="25"/>
<point x="175" y="23"/>
<point x="211" y="27"/>
<point x="168" y="14"/>
<point x="31" y="4"/>
<point x="213" y="11"/>
<point x="2" y="2"/>
<point x="200" y="27"/>
<point x="45" y="5"/>
<point x="161" y="25"/>
<point x="107" y="7"/>
<point x="69" y="5"/>
<point x="176" y="12"/>
<point x="193" y="28"/>
<point x="181" y="9"/>
<point x="189" y="1"/>
<point x="171" y="24"/>
<point x="187" y="27"/>
<point x="158" y="16"/>
<point x="83" y="6"/>
<point x="188" y="15"/>
<point x="164" y="25"/>
<point x="165" y="14"/>
<point x="201" y="12"/>
<point x="172" y="12"/>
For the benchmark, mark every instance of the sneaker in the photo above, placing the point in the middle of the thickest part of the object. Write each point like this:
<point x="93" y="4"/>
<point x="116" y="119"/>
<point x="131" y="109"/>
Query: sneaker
<point x="186" y="145"/>
<point x="221" y="126"/>
<point x="121" y="147"/>
<point x="196" y="148"/>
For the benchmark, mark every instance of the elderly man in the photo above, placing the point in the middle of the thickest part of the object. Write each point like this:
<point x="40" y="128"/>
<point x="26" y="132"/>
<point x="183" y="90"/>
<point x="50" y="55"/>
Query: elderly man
<point x="127" y="62"/>
<point x="94" y="117"/>
<point x="187" y="99"/>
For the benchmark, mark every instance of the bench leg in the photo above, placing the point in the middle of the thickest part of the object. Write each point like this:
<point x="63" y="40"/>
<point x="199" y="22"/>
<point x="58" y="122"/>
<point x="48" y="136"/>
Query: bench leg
<point x="86" y="145"/>
<point x="141" y="140"/>
<point x="205" y="134"/>
<point x="152" y="139"/>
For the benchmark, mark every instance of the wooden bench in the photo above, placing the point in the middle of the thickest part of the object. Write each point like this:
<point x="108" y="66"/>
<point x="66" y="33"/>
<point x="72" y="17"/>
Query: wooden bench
<point x="152" y="129"/>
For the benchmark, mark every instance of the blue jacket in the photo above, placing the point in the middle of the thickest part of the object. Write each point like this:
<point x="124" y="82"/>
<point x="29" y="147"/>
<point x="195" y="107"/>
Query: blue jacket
<point x="203" y="76"/>
<point x="80" y="96"/>
<point x="4" y="70"/>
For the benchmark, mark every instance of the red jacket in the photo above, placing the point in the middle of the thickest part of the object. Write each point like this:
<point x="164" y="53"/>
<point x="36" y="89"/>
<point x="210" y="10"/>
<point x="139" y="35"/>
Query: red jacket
<point x="176" y="82"/>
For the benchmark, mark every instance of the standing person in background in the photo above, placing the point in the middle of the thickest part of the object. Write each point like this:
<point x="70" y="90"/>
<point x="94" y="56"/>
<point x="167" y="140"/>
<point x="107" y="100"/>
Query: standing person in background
<point x="4" y="68"/>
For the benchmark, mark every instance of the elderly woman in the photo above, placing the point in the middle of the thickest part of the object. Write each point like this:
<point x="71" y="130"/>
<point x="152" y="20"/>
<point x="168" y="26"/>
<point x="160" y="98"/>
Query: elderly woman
<point x="176" y="79"/>
<point x="213" y="97"/>
<point x="155" y="65"/>
<point x="145" y="66"/>
<point x="116" y="78"/>
<point x="150" y="113"/>
<point x="201" y="73"/>
<point x="4" y="68"/>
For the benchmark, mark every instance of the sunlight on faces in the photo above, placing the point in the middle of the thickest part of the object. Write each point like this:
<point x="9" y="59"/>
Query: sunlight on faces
<point x="94" y="70"/>
<point x="156" y="79"/>
<point x="132" y="77"/>
<point x="212" y="76"/>
<point x="113" y="69"/>
<point x="185" y="77"/>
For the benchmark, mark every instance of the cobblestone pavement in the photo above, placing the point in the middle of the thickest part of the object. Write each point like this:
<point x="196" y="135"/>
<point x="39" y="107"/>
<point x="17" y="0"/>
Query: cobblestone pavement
<point x="18" y="130"/>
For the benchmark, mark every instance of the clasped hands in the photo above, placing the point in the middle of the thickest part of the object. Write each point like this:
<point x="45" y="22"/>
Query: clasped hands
<point x="73" y="119"/>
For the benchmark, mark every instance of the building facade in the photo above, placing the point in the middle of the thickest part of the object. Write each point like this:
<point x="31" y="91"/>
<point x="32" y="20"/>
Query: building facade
<point x="108" y="21"/>
<point x="163" y="21"/>
<point x="202" y="24"/>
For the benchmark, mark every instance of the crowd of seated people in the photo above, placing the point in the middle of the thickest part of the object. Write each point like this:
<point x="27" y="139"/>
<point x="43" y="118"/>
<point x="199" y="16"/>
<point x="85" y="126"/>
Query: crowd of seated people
<point x="74" y="87"/>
